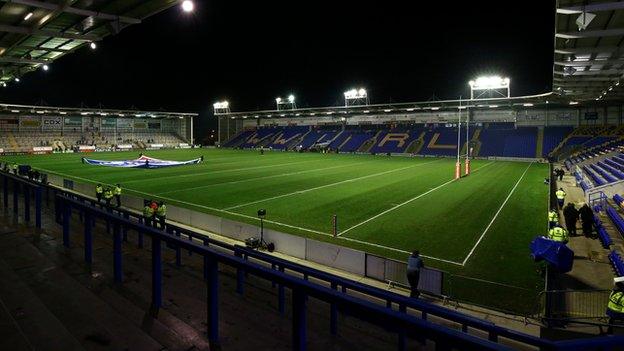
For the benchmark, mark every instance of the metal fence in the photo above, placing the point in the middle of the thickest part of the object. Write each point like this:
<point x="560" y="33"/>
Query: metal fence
<point x="395" y="273"/>
<point x="574" y="304"/>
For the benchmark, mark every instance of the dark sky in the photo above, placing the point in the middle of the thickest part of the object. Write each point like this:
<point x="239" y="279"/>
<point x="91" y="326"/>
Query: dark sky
<point x="252" y="51"/>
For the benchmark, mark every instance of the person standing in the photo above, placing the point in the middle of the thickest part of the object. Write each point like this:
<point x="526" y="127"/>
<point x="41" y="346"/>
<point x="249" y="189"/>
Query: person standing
<point x="615" y="306"/>
<point x="414" y="265"/>
<point x="560" y="173"/>
<point x="148" y="213"/>
<point x="98" y="192"/>
<point x="587" y="219"/>
<point x="553" y="218"/>
<point x="161" y="214"/>
<point x="570" y="214"/>
<point x="560" y="194"/>
<point x="117" y="193"/>
<point x="558" y="234"/>
<point x="108" y="196"/>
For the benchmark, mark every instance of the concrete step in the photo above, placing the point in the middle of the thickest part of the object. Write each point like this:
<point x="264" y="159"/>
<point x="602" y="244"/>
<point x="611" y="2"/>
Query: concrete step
<point x="25" y="321"/>
<point x="90" y="320"/>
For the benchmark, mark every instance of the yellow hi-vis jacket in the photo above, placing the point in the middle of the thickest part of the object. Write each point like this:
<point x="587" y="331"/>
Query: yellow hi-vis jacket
<point x="558" y="234"/>
<point x="117" y="190"/>
<point x="99" y="189"/>
<point x="560" y="194"/>
<point x="148" y="211"/>
<point x="616" y="301"/>
<point x="161" y="211"/>
<point x="553" y="216"/>
<point x="108" y="194"/>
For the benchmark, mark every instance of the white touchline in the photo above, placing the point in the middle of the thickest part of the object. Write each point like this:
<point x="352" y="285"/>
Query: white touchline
<point x="496" y="215"/>
<point x="326" y="186"/>
<point x="263" y="177"/>
<point x="406" y="202"/>
<point x="220" y="171"/>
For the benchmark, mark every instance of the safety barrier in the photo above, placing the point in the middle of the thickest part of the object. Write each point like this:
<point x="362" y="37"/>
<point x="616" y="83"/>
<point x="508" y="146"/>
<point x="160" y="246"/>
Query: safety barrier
<point x="279" y="272"/>
<point x="575" y="304"/>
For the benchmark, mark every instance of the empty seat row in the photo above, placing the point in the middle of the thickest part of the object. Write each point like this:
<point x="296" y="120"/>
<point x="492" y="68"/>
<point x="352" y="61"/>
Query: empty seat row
<point x="617" y="263"/>
<point x="593" y="176"/>
<point x="616" y="219"/>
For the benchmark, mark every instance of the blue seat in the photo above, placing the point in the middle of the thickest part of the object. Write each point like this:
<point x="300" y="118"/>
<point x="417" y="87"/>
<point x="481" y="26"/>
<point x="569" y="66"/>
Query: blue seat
<point x="604" y="237"/>
<point x="617" y="263"/>
<point x="616" y="218"/>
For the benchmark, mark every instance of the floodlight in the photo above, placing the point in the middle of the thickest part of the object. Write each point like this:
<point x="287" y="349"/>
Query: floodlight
<point x="573" y="102"/>
<point x="29" y="15"/>
<point x="221" y="105"/>
<point x="489" y="85"/>
<point x="93" y="45"/>
<point x="45" y="67"/>
<point x="354" y="97"/>
<point x="188" y="6"/>
<point x="286" y="104"/>
<point x="17" y="79"/>
<point x="4" y="84"/>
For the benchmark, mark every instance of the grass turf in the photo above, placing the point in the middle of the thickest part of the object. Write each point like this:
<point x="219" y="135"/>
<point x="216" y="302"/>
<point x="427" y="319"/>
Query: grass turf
<point x="385" y="205"/>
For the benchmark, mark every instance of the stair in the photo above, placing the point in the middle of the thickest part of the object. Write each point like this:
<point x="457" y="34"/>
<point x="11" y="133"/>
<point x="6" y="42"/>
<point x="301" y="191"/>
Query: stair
<point x="64" y="305"/>
<point x="368" y="144"/>
<point x="540" y="142"/>
<point x="415" y="146"/>
<point x="12" y="141"/>
<point x="344" y="142"/>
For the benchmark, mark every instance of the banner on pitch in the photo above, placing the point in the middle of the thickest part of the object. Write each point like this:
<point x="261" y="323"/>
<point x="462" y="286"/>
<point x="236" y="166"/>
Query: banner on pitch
<point x="141" y="162"/>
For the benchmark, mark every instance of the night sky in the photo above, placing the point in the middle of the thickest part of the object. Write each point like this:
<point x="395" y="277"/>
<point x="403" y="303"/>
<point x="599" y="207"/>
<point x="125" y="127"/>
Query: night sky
<point x="250" y="52"/>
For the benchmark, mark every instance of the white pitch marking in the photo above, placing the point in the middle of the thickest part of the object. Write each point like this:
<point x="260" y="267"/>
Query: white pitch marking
<point x="326" y="186"/>
<point x="220" y="171"/>
<point x="256" y="178"/>
<point x="406" y="202"/>
<point x="496" y="215"/>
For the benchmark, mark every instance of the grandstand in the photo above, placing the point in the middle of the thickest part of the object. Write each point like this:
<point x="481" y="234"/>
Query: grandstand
<point x="36" y="129"/>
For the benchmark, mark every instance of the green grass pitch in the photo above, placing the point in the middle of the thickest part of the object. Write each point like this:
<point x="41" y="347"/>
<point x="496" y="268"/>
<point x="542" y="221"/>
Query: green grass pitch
<point x="478" y="227"/>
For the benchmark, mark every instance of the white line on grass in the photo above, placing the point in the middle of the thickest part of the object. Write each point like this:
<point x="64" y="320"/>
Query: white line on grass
<point x="326" y="186"/>
<point x="256" y="178"/>
<point x="220" y="171"/>
<point x="405" y="202"/>
<point x="495" y="215"/>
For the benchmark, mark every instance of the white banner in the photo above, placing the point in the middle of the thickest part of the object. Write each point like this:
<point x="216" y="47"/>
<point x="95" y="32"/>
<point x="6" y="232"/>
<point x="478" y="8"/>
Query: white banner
<point x="86" y="148"/>
<point x="156" y="146"/>
<point x="124" y="146"/>
<point x="52" y="122"/>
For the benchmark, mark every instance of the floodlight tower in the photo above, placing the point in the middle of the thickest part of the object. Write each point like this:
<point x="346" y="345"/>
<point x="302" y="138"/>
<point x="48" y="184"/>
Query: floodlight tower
<point x="488" y="87"/>
<point x="221" y="107"/>
<point x="286" y="104"/>
<point x="356" y="97"/>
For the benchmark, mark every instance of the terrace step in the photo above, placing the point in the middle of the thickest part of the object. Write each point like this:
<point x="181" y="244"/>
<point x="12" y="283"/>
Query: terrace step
<point x="540" y="142"/>
<point x="91" y="322"/>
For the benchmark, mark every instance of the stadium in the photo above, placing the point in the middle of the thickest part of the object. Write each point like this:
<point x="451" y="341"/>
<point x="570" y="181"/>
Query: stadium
<point x="135" y="229"/>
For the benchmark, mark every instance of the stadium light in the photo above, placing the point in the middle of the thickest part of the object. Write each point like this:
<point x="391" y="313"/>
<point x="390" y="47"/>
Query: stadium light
<point x="573" y="102"/>
<point x="355" y="97"/>
<point x="188" y="6"/>
<point x="28" y="16"/>
<point x="4" y="84"/>
<point x="286" y="104"/>
<point x="17" y="79"/>
<point x="93" y="45"/>
<point x="46" y="67"/>
<point x="489" y="84"/>
<point x="221" y="107"/>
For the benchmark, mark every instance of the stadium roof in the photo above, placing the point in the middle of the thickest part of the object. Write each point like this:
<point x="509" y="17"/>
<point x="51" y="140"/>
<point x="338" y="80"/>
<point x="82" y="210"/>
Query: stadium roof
<point x="34" y="33"/>
<point x="28" y="110"/>
<point x="518" y="102"/>
<point x="589" y="59"/>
